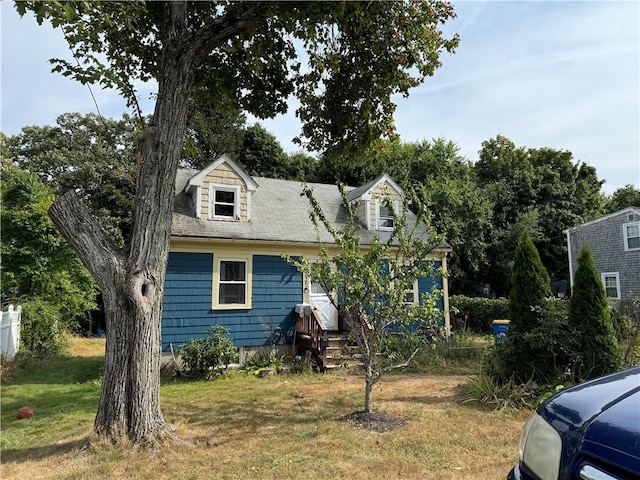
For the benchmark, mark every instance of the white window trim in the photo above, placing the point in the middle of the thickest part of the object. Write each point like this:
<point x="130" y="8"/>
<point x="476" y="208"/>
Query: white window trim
<point x="216" y="305"/>
<point x="615" y="275"/>
<point x="380" y="203"/>
<point x="416" y="294"/>
<point x="413" y="289"/>
<point x="626" y="237"/>
<point x="236" y="201"/>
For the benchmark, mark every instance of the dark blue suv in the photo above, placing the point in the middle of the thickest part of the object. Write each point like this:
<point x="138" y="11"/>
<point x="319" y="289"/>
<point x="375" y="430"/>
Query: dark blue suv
<point x="588" y="432"/>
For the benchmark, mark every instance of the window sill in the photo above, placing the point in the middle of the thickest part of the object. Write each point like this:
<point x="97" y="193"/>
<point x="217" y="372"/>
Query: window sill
<point x="231" y="307"/>
<point x="225" y="219"/>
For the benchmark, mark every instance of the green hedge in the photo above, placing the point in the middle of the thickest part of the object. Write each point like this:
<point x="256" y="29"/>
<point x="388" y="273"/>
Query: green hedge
<point x="477" y="313"/>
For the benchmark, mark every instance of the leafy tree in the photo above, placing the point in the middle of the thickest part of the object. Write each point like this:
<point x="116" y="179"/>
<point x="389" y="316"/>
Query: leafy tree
<point x="92" y="155"/>
<point x="38" y="266"/>
<point x="378" y="49"/>
<point x="370" y="282"/>
<point x="627" y="196"/>
<point x="215" y="125"/>
<point x="538" y="189"/>
<point x="460" y="210"/>
<point x="446" y="184"/>
<point x="597" y="353"/>
<point x="261" y="154"/>
<point x="4" y="152"/>
<point x="302" y="167"/>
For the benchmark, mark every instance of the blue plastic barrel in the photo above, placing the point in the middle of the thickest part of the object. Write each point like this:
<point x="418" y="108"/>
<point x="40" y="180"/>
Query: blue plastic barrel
<point x="500" y="329"/>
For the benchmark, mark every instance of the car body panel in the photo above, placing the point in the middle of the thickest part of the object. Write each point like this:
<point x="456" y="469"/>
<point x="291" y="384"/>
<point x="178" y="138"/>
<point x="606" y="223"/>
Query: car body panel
<point x="613" y="435"/>
<point x="599" y="424"/>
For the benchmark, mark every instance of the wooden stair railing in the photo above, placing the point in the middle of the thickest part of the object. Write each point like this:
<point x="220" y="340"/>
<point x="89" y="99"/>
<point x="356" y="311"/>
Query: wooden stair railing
<point x="310" y="332"/>
<point x="326" y="348"/>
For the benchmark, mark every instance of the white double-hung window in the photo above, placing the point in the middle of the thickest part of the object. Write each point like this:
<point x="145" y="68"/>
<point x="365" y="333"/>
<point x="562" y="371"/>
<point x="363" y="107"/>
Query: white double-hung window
<point x="385" y="220"/>
<point x="631" y="233"/>
<point x="232" y="277"/>
<point x="224" y="202"/>
<point x="611" y="284"/>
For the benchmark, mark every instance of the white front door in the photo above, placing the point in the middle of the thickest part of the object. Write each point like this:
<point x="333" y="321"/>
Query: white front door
<point x="321" y="301"/>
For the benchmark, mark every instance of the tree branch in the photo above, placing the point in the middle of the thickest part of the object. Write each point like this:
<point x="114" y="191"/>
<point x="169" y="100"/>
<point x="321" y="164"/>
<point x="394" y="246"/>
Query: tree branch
<point x="406" y="363"/>
<point x="101" y="257"/>
<point x="202" y="41"/>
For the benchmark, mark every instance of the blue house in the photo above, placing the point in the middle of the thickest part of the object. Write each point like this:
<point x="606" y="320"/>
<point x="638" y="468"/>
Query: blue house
<point x="225" y="267"/>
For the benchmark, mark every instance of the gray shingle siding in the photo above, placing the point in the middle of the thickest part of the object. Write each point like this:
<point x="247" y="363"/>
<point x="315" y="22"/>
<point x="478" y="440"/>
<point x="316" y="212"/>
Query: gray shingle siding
<point x="605" y="239"/>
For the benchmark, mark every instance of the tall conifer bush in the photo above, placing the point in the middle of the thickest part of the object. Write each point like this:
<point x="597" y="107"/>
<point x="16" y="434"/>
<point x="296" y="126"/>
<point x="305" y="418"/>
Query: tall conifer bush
<point x="539" y="345"/>
<point x="597" y="352"/>
<point x="530" y="286"/>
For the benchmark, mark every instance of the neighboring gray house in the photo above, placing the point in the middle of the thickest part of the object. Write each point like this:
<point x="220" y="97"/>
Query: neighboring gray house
<point x="614" y="241"/>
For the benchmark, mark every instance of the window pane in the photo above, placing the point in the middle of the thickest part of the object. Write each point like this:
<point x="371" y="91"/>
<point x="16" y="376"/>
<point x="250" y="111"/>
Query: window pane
<point x="231" y="293"/>
<point x="224" y="196"/>
<point x="633" y="236"/>
<point x="409" y="297"/>
<point x="387" y="222"/>
<point x="385" y="217"/>
<point x="611" y="286"/>
<point x="385" y="211"/>
<point x="223" y="210"/>
<point x="232" y="271"/>
<point x="316" y="289"/>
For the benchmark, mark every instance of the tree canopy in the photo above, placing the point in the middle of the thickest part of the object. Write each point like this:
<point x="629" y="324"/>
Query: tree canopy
<point x="92" y="155"/>
<point x="37" y="263"/>
<point x="250" y="52"/>
<point x="627" y="196"/>
<point x="540" y="190"/>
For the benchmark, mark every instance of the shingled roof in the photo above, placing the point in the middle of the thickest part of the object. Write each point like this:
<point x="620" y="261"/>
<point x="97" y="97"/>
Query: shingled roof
<point x="278" y="213"/>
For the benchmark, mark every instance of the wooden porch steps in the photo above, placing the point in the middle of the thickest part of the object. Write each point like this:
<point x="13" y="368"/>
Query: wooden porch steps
<point x="331" y="349"/>
<point x="341" y="354"/>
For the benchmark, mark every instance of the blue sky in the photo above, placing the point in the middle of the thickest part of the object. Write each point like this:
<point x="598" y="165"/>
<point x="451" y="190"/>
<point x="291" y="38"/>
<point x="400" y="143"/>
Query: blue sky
<point x="564" y="75"/>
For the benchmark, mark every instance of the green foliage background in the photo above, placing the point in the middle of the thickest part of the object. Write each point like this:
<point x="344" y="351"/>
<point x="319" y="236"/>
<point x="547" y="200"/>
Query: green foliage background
<point x="39" y="269"/>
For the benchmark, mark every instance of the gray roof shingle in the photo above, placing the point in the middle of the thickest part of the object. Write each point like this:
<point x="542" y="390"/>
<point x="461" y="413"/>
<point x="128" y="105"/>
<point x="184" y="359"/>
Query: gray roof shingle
<point x="278" y="213"/>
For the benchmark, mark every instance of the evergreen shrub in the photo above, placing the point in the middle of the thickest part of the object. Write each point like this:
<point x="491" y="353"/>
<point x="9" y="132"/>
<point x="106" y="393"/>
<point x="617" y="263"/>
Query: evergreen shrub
<point x="597" y="352"/>
<point x="541" y="355"/>
<point x="530" y="286"/>
<point x="540" y="342"/>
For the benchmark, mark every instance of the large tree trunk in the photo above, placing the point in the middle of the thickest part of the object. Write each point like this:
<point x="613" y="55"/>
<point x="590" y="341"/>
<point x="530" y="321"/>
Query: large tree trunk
<point x="131" y="282"/>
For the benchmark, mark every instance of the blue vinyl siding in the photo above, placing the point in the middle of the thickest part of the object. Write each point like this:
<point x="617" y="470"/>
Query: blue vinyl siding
<point x="187" y="313"/>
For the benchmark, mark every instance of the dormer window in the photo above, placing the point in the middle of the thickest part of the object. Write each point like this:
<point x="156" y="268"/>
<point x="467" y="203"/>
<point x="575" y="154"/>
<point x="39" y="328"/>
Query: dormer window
<point x="385" y="216"/>
<point x="224" y="202"/>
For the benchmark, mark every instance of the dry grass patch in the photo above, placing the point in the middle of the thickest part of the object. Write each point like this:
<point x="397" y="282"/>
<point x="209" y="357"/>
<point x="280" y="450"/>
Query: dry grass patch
<point x="287" y="427"/>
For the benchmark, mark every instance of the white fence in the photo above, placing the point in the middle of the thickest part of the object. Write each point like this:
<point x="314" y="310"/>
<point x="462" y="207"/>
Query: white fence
<point x="10" y="332"/>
